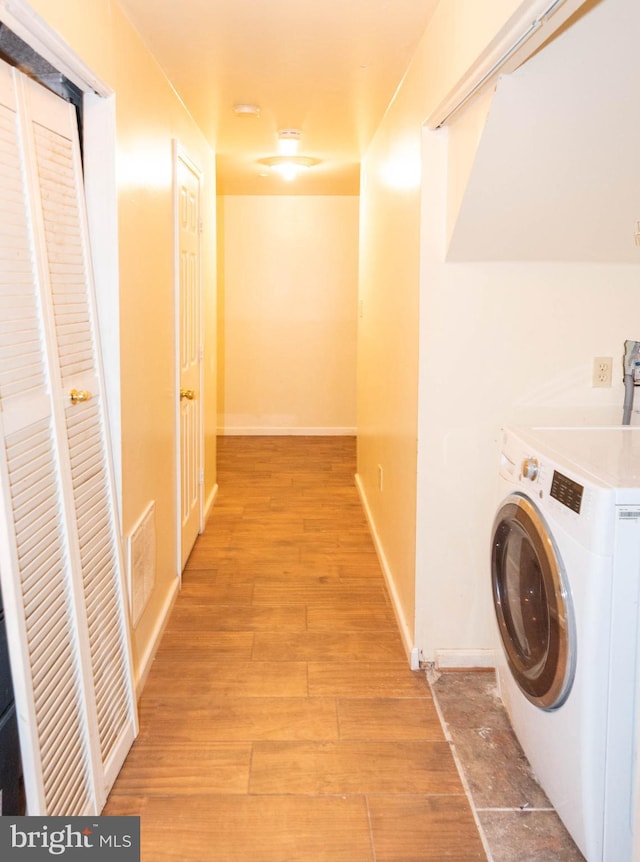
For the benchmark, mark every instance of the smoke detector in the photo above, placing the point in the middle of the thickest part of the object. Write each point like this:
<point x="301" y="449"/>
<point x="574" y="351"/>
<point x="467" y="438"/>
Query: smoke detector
<point x="246" y="110"/>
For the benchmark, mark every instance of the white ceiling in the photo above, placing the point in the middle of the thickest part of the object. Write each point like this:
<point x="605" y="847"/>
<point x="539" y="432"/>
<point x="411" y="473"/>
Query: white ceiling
<point x="329" y="69"/>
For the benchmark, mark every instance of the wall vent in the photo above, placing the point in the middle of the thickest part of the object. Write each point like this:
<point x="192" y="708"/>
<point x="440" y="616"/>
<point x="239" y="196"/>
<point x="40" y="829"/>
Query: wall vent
<point x="141" y="562"/>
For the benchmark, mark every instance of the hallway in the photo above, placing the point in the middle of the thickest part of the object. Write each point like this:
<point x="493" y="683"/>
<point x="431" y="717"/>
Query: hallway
<point x="280" y="720"/>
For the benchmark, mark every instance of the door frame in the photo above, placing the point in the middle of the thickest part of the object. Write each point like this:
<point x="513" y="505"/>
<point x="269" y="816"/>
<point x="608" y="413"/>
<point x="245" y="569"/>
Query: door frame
<point x="179" y="154"/>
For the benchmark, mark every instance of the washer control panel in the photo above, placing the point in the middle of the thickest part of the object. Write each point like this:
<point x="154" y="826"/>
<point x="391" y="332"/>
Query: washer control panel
<point x="566" y="491"/>
<point x="530" y="469"/>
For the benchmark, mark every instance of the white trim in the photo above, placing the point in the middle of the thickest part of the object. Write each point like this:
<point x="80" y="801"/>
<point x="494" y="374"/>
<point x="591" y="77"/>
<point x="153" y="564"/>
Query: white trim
<point x="461" y="658"/>
<point x="101" y="194"/>
<point x="405" y="631"/>
<point x="146" y="660"/>
<point x="414" y="658"/>
<point x="19" y="17"/>
<point x="534" y="22"/>
<point x="208" y="506"/>
<point x="268" y="431"/>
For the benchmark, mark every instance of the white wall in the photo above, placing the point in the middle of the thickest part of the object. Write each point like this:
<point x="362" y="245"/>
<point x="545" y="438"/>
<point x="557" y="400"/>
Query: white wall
<point x="288" y="277"/>
<point x="515" y="341"/>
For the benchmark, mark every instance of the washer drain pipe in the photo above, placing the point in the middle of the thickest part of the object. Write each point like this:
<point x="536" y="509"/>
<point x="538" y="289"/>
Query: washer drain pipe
<point x="631" y="377"/>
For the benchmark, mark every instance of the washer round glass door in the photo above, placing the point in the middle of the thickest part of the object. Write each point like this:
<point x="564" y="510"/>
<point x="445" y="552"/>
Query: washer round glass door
<point x="532" y="603"/>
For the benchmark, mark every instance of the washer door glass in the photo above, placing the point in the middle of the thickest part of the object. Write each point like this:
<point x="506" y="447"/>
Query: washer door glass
<point x="532" y="603"/>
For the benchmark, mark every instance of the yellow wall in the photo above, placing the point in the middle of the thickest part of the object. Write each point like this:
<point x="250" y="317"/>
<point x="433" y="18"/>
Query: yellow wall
<point x="148" y="117"/>
<point x="288" y="281"/>
<point x="388" y="337"/>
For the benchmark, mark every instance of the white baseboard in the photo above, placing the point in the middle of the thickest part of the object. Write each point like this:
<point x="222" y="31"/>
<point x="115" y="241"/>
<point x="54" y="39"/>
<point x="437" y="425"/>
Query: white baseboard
<point x="266" y="431"/>
<point x="208" y="504"/>
<point x="414" y="658"/>
<point x="154" y="641"/>
<point x="405" y="630"/>
<point x="460" y="658"/>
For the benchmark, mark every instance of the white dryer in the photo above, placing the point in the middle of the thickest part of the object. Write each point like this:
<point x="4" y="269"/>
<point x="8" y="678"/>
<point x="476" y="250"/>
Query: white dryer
<point x="565" y="562"/>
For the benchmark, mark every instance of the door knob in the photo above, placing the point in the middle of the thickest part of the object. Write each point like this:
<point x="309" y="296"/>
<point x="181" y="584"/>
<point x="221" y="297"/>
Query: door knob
<point x="77" y="395"/>
<point x="189" y="394"/>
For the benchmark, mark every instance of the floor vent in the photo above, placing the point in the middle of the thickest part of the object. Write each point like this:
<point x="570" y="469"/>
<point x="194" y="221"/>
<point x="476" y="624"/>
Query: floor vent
<point x="141" y="562"/>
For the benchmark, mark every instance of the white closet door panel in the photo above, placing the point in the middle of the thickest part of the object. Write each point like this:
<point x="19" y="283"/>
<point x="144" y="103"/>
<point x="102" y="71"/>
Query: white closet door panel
<point x="75" y="331"/>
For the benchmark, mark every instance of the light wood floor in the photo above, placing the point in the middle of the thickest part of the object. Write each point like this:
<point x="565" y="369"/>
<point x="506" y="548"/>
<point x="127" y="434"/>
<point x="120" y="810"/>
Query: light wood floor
<point x="280" y="721"/>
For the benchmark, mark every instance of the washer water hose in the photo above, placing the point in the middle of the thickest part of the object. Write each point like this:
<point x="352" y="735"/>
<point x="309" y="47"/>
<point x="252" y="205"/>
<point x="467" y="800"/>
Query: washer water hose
<point x="631" y="377"/>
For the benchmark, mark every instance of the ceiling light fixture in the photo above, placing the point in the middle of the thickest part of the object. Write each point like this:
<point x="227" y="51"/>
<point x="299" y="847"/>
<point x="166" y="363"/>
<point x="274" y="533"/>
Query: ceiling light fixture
<point x="246" y="110"/>
<point x="289" y="166"/>
<point x="289" y="141"/>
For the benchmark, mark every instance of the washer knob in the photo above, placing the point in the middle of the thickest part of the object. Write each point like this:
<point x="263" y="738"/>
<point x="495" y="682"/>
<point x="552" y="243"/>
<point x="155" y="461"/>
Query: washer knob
<point x="530" y="468"/>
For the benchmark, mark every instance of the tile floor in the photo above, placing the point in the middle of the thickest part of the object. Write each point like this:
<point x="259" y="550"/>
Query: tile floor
<point x="517" y="819"/>
<point x="280" y="721"/>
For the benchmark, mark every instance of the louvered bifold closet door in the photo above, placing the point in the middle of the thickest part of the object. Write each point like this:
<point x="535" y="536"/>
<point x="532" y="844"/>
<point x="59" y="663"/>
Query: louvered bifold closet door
<point x="35" y="554"/>
<point x="59" y="555"/>
<point x="59" y="173"/>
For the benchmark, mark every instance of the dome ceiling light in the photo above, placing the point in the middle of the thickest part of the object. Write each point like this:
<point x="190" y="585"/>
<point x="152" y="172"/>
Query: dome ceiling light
<point x="288" y="163"/>
<point x="289" y="141"/>
<point x="289" y="166"/>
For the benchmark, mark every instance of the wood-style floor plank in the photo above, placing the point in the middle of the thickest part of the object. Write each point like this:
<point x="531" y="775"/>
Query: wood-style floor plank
<point x="158" y="768"/>
<point x="280" y="721"/>
<point x="329" y="646"/>
<point x="424" y="829"/>
<point x="189" y="618"/>
<point x="248" y="678"/>
<point x="257" y="829"/>
<point x="353" y="767"/>
<point x="242" y="719"/>
<point x="205" y="647"/>
<point x="365" y="679"/>
<point x="372" y="617"/>
<point x="388" y="718"/>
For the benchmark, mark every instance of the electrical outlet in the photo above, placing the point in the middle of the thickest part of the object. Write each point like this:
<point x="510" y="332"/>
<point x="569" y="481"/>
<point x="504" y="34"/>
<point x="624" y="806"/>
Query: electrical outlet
<point x="602" y="371"/>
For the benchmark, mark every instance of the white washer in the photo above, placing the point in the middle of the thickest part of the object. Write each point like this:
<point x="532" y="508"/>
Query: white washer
<point x="566" y="580"/>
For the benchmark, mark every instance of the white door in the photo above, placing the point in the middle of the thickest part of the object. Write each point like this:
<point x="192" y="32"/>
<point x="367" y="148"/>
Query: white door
<point x="190" y="349"/>
<point x="60" y="556"/>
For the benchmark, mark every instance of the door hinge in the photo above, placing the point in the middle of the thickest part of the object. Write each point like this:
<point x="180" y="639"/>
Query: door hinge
<point x="201" y="477"/>
<point x="201" y="226"/>
<point x="201" y="354"/>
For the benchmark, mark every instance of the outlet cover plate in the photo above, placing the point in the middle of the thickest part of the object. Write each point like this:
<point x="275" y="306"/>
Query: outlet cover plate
<point x="602" y="371"/>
